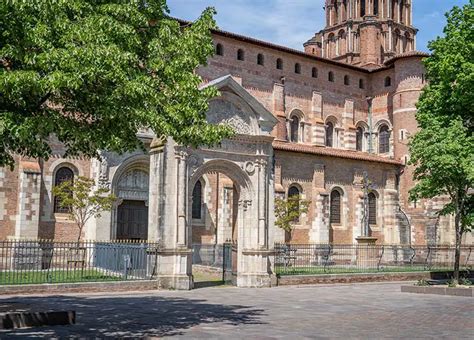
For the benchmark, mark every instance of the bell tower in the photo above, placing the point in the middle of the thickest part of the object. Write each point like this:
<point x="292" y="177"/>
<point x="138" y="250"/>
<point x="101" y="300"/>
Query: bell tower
<point x="364" y="32"/>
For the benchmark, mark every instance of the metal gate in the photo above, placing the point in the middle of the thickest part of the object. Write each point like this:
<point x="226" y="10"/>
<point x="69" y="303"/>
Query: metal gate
<point x="213" y="264"/>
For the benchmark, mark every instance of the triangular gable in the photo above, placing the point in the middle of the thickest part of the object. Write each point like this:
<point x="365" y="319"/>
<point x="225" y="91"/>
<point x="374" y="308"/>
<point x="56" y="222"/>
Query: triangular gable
<point x="265" y="118"/>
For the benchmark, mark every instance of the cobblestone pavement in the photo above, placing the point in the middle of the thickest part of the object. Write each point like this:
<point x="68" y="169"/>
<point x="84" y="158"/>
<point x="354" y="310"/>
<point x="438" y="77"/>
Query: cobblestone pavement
<point x="340" y="311"/>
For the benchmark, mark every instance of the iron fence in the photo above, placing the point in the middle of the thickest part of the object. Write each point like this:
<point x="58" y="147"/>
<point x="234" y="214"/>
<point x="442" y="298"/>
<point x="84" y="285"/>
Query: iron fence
<point x="47" y="261"/>
<point x="295" y="259"/>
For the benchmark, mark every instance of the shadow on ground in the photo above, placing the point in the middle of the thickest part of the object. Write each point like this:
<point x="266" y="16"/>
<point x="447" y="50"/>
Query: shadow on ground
<point x="132" y="316"/>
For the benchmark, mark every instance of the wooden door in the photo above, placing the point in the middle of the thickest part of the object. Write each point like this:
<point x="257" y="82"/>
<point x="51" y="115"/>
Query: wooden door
<point x="132" y="221"/>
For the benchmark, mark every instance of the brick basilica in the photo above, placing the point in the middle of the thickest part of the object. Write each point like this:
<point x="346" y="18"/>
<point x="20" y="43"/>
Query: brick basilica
<point x="308" y="123"/>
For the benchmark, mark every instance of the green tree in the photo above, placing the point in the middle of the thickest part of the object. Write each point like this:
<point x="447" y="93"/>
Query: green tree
<point x="443" y="149"/>
<point x="83" y="201"/>
<point x="94" y="72"/>
<point x="288" y="211"/>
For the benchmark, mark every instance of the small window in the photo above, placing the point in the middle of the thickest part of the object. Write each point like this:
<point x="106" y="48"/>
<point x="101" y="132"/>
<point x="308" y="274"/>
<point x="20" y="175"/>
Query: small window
<point x="63" y="174"/>
<point x="384" y="139"/>
<point x="260" y="59"/>
<point x="197" y="201"/>
<point x="359" y="138"/>
<point x="372" y="208"/>
<point x="361" y="83"/>
<point x="346" y="80"/>
<point x="314" y="72"/>
<point x="219" y="49"/>
<point x="329" y="134"/>
<point x="279" y="64"/>
<point x="335" y="207"/>
<point x="240" y="55"/>
<point x="297" y="68"/>
<point x="294" y="129"/>
<point x="388" y="81"/>
<point x="331" y="76"/>
<point x="294" y="193"/>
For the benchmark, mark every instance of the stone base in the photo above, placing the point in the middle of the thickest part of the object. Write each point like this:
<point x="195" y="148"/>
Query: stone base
<point x="254" y="280"/>
<point x="367" y="255"/>
<point x="178" y="282"/>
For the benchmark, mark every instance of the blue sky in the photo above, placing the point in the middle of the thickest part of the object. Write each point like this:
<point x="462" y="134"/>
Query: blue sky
<point x="292" y="22"/>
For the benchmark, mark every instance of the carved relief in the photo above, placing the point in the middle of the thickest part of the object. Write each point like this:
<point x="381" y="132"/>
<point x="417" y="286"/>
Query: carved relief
<point x="249" y="167"/>
<point x="133" y="185"/>
<point x="225" y="112"/>
<point x="194" y="162"/>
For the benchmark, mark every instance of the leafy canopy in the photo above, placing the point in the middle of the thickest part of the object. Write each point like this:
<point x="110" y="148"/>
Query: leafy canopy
<point x="93" y="72"/>
<point x="288" y="211"/>
<point x="443" y="149"/>
<point x="83" y="200"/>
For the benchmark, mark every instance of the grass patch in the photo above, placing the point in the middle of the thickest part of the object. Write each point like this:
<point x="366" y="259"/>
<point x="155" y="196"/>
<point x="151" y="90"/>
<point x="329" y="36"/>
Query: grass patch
<point x="342" y="270"/>
<point x="55" y="276"/>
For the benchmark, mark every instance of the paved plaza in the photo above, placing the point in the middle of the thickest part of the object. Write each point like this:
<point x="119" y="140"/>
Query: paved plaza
<point x="360" y="311"/>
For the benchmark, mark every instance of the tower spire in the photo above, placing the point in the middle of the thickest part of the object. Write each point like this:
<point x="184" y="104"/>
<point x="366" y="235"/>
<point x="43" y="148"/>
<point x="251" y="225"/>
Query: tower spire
<point x="364" y="32"/>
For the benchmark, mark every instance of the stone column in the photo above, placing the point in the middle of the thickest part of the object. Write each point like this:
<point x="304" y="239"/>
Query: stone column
<point x="181" y="198"/>
<point x="27" y="219"/>
<point x="262" y="198"/>
<point x="155" y="189"/>
<point x="174" y="269"/>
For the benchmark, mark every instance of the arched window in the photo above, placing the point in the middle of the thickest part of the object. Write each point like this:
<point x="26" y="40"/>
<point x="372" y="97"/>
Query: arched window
<point x="197" y="200"/>
<point x="294" y="129"/>
<point x="384" y="139"/>
<point x="359" y="138"/>
<point x="335" y="207"/>
<point x="219" y="49"/>
<point x="240" y="54"/>
<point x="279" y="64"/>
<point x="294" y="193"/>
<point x="63" y="174"/>
<point x="331" y="76"/>
<point x="260" y="59"/>
<point x="314" y="72"/>
<point x="297" y="68"/>
<point x="329" y="134"/>
<point x="372" y="208"/>
<point x="388" y="81"/>
<point x="346" y="80"/>
<point x="362" y="8"/>
<point x="376" y="7"/>
<point x="361" y="83"/>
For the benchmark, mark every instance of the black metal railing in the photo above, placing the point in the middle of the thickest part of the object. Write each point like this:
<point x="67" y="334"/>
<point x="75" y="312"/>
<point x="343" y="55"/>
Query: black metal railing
<point x="47" y="261"/>
<point x="296" y="259"/>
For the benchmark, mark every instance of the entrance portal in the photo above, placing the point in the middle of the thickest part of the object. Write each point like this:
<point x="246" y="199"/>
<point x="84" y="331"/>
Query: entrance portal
<point x="132" y="221"/>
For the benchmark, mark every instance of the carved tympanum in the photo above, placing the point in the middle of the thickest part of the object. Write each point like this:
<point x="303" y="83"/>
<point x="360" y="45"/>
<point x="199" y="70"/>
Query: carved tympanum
<point x="224" y="112"/>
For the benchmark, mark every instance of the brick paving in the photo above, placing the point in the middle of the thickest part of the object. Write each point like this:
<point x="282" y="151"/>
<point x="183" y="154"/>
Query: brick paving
<point x="358" y="311"/>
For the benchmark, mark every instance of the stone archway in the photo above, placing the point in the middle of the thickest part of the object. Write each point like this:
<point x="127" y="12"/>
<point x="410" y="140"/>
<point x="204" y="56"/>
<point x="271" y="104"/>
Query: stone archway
<point x="247" y="159"/>
<point x="242" y="217"/>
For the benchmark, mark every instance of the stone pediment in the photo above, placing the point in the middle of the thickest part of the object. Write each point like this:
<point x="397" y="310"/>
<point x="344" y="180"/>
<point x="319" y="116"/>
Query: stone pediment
<point x="237" y="108"/>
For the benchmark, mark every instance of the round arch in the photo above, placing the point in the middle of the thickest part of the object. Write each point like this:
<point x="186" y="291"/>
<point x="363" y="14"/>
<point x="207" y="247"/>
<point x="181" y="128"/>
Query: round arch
<point x="231" y="170"/>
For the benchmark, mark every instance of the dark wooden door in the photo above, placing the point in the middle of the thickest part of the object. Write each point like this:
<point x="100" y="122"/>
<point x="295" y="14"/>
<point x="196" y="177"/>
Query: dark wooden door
<point x="132" y="221"/>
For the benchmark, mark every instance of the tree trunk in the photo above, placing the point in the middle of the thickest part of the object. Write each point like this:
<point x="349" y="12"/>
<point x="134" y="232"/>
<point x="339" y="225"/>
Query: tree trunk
<point x="457" y="253"/>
